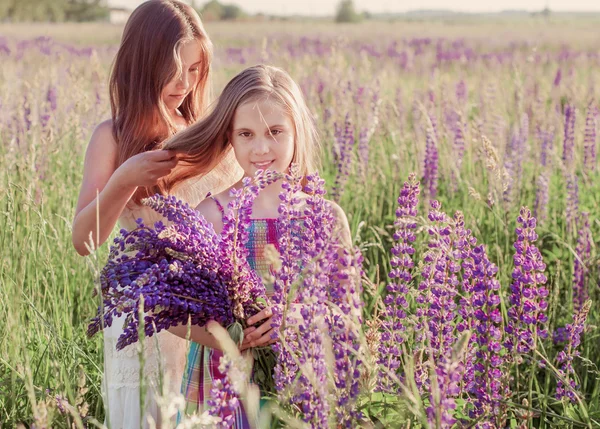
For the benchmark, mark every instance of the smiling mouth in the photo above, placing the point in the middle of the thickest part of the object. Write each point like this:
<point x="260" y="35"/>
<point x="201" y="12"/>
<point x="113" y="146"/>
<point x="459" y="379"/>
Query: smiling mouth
<point x="180" y="96"/>
<point x="263" y="164"/>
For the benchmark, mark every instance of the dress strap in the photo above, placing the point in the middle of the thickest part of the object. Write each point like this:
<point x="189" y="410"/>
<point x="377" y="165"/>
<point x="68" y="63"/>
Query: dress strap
<point x="219" y="205"/>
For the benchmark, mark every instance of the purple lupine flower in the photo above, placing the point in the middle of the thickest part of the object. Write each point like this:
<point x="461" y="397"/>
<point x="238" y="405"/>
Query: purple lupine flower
<point x="340" y="270"/>
<point x="485" y="369"/>
<point x="51" y="97"/>
<point x="299" y="360"/>
<point x="565" y="357"/>
<point x="461" y="92"/>
<point x="545" y="138"/>
<point x="583" y="253"/>
<point x="344" y="159"/>
<point x="589" y="142"/>
<point x="559" y="336"/>
<point x="184" y="270"/>
<point x="459" y="142"/>
<point x="49" y="107"/>
<point x="430" y="169"/>
<point x="443" y="282"/>
<point x="569" y="136"/>
<point x="397" y="289"/>
<point x="527" y="311"/>
<point x="557" y="77"/>
<point x="542" y="197"/>
<point x="156" y="263"/>
<point x="367" y="132"/>
<point x="511" y="155"/>
<point x="290" y="246"/>
<point x="329" y="296"/>
<point x="572" y="208"/>
<point x="27" y="114"/>
<point x="223" y="401"/>
<point x="442" y="394"/>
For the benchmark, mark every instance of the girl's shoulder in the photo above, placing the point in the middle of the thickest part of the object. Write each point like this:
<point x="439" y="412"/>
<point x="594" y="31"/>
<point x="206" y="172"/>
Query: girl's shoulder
<point x="213" y="207"/>
<point x="102" y="137"/>
<point x="341" y="220"/>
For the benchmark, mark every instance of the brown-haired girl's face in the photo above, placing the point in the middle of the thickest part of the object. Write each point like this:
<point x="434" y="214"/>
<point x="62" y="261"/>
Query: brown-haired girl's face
<point x="181" y="86"/>
<point x="262" y="137"/>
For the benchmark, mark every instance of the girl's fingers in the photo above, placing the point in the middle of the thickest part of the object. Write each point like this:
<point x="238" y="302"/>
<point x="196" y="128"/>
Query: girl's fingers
<point x="263" y="314"/>
<point x="258" y="332"/>
<point x="262" y="341"/>
<point x="249" y="330"/>
<point x="162" y="155"/>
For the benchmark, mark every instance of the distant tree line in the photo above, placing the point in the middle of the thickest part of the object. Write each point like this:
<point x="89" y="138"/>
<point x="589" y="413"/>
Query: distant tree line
<point x="94" y="10"/>
<point x="53" y="10"/>
<point x="217" y="11"/>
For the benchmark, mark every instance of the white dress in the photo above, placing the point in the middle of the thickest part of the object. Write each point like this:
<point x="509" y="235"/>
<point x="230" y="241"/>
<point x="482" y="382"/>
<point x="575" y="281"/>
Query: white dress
<point x="121" y="368"/>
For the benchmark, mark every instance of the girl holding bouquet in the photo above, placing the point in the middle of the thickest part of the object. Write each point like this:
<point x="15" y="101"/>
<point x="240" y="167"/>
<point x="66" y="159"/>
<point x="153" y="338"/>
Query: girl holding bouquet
<point x="159" y="85"/>
<point x="262" y="115"/>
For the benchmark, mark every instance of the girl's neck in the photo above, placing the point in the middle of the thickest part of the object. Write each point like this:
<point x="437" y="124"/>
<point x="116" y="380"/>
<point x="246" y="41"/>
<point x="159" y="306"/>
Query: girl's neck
<point x="266" y="204"/>
<point x="178" y="119"/>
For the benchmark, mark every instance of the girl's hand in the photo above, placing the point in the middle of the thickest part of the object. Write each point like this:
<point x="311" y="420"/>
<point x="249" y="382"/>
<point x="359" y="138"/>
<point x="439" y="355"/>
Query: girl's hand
<point x="258" y="336"/>
<point x="146" y="168"/>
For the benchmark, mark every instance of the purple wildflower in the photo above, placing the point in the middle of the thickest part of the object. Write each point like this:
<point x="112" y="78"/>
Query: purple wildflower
<point x="572" y="208"/>
<point x="488" y="386"/>
<point x="430" y="169"/>
<point x="589" y="142"/>
<point x="557" y="77"/>
<point x="565" y="357"/>
<point x="223" y="401"/>
<point x="583" y="253"/>
<point x="461" y="92"/>
<point x="397" y="289"/>
<point x="527" y="311"/>
<point x="442" y="393"/>
<point x="345" y="144"/>
<point x="569" y="136"/>
<point x="542" y="197"/>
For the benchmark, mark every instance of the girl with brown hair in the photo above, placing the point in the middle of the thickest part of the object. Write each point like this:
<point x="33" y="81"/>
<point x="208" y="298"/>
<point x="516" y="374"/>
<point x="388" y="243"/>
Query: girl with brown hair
<point x="159" y="85"/>
<point x="262" y="115"/>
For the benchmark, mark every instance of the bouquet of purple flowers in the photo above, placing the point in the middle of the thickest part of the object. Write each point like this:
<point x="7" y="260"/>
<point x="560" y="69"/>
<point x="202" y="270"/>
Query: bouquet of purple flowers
<point x="185" y="271"/>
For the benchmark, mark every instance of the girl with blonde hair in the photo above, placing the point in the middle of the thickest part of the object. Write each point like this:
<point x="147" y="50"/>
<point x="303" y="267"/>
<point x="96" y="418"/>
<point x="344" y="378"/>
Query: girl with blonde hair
<point x="262" y="115"/>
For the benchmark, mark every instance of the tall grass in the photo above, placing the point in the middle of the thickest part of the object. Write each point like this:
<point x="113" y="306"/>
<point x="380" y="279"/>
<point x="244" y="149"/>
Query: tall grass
<point x="46" y="288"/>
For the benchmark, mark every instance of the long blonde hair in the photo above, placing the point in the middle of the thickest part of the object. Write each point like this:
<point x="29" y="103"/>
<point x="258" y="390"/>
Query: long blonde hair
<point x="206" y="142"/>
<point x="147" y="60"/>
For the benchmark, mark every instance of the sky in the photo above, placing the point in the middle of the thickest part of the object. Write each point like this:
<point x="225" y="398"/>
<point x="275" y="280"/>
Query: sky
<point x="328" y="7"/>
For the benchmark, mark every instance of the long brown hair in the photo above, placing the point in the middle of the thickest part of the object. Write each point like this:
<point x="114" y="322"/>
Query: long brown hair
<point x="206" y="142"/>
<point x="147" y="60"/>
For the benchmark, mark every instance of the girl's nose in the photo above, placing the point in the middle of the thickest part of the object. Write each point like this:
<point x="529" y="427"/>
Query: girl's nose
<point x="261" y="146"/>
<point x="183" y="82"/>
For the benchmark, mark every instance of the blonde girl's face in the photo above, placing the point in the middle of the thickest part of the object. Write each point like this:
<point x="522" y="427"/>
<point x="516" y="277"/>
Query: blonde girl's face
<point x="182" y="85"/>
<point x="262" y="137"/>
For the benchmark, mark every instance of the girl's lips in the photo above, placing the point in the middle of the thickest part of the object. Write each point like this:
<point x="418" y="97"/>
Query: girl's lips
<point x="263" y="164"/>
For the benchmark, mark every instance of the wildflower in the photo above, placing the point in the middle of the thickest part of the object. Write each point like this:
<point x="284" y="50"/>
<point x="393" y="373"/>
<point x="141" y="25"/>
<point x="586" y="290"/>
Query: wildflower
<point x="565" y="357"/>
<point x="527" y="311"/>
<point x="397" y="289"/>
<point x="582" y="256"/>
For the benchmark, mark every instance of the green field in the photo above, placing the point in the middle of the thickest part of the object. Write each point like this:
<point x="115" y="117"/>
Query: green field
<point x="397" y="83"/>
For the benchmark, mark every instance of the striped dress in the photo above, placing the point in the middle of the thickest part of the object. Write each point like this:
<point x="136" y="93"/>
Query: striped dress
<point x="202" y="366"/>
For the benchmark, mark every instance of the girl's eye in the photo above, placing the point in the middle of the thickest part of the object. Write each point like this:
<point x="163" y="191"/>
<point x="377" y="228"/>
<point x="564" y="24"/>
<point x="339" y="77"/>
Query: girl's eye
<point x="245" y="134"/>
<point x="194" y="70"/>
<point x="275" y="132"/>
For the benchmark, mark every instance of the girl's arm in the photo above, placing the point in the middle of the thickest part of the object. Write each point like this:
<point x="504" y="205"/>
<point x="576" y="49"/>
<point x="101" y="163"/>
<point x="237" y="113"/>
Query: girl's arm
<point x="197" y="334"/>
<point x="107" y="190"/>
